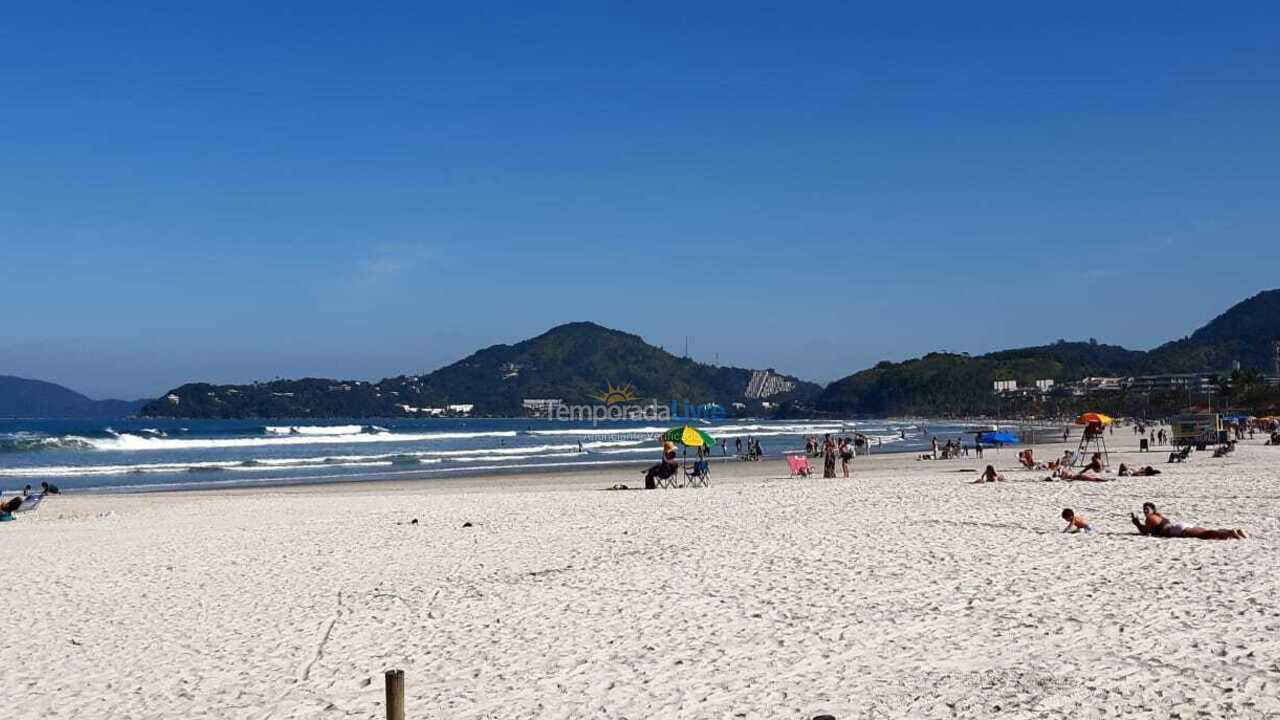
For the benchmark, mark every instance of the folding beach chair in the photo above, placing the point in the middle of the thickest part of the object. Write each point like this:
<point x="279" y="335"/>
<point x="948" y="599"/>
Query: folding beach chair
<point x="670" y="481"/>
<point x="799" y="466"/>
<point x="697" y="474"/>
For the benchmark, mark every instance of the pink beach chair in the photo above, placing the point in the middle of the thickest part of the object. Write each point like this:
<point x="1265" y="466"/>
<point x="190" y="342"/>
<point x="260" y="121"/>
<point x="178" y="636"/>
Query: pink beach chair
<point x="799" y="466"/>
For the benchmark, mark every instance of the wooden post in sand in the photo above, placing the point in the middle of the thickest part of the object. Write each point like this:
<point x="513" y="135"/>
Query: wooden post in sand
<point x="395" y="694"/>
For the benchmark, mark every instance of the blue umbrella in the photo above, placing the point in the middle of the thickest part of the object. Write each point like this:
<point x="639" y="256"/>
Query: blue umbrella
<point x="998" y="438"/>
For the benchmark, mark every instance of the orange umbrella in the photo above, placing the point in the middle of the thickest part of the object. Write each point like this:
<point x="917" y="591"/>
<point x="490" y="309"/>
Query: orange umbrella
<point x="1090" y="418"/>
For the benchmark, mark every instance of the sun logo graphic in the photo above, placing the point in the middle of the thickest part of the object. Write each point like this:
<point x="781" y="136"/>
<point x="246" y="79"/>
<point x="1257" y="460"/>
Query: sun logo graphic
<point x="615" y="395"/>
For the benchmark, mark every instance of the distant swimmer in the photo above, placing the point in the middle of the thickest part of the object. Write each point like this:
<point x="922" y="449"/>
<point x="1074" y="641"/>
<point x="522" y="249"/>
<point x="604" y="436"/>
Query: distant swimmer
<point x="1157" y="525"/>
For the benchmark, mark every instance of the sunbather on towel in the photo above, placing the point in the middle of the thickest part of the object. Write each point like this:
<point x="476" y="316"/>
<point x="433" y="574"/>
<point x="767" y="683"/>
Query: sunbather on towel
<point x="1148" y="471"/>
<point x="1064" y="473"/>
<point x="1157" y="525"/>
<point x="11" y="504"/>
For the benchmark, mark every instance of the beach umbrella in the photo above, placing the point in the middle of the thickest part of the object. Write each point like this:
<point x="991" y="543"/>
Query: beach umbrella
<point x="689" y="437"/>
<point x="1090" y="418"/>
<point x="998" y="438"/>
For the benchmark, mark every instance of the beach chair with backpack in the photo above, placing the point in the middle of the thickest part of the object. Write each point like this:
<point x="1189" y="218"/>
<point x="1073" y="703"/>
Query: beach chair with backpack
<point x="799" y="466"/>
<point x="697" y="473"/>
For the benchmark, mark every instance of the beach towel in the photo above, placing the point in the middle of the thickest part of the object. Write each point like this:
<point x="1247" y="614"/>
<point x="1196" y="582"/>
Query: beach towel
<point x="30" y="503"/>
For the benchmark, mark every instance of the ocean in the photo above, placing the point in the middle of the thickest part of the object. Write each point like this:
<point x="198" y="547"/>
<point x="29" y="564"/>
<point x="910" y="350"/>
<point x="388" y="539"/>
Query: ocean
<point x="151" y="454"/>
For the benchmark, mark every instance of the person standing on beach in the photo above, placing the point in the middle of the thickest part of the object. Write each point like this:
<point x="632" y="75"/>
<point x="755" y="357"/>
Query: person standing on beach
<point x="828" y="458"/>
<point x="935" y="447"/>
<point x="846" y="454"/>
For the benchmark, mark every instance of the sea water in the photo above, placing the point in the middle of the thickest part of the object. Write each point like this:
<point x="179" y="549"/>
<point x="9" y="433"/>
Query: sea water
<point x="155" y="454"/>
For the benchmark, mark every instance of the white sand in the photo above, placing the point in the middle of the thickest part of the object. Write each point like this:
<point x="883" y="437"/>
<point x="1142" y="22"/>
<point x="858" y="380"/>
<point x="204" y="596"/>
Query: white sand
<point x="902" y="593"/>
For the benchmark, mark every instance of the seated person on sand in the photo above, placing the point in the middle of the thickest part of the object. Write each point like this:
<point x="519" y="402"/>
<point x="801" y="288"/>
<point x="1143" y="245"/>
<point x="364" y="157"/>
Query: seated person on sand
<point x="9" y="507"/>
<point x="1075" y="523"/>
<point x="1028" y="460"/>
<point x="1148" y="471"/>
<point x="664" y="469"/>
<point x="1095" y="464"/>
<point x="988" y="476"/>
<point x="1157" y="525"/>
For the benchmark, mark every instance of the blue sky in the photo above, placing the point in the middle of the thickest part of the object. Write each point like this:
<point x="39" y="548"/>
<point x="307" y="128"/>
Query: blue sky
<point x="234" y="191"/>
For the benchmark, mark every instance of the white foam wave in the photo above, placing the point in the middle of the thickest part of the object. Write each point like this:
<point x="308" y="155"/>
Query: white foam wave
<point x="132" y="443"/>
<point x="313" y="429"/>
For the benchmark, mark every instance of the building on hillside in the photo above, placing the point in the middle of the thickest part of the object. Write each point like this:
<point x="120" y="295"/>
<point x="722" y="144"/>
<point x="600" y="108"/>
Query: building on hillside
<point x="1174" y="382"/>
<point x="765" y="383"/>
<point x="541" y="407"/>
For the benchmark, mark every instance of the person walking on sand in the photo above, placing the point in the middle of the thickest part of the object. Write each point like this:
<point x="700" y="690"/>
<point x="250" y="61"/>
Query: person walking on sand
<point x="1157" y="525"/>
<point x="935" y="447"/>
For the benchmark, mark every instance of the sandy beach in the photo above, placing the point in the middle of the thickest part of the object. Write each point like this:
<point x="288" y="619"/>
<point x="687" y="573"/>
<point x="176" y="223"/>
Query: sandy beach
<point x="904" y="592"/>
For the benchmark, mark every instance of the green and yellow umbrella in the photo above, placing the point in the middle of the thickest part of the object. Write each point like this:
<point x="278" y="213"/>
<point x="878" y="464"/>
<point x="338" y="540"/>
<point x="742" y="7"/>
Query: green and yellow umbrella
<point x="689" y="436"/>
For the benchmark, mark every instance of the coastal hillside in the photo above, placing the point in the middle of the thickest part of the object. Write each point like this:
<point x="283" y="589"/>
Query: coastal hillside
<point x="575" y="363"/>
<point x="945" y="383"/>
<point x="24" y="398"/>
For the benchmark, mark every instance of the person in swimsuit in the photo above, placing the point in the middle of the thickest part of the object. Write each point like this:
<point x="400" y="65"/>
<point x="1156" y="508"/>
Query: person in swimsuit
<point x="1157" y="525"/>
<point x="1065" y="473"/>
<point x="1148" y="471"/>
<point x="1095" y="464"/>
<point x="1075" y="523"/>
<point x="989" y="476"/>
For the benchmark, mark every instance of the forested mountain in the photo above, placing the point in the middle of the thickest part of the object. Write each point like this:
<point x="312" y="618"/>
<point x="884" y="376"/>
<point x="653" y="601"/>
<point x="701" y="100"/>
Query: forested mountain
<point x="575" y="363"/>
<point x="943" y="383"/>
<point x="23" y="398"/>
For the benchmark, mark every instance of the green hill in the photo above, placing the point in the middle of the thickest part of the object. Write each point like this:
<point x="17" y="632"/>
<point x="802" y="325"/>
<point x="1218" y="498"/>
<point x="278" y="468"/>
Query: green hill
<point x="23" y="398"/>
<point x="942" y="384"/>
<point x="574" y="362"/>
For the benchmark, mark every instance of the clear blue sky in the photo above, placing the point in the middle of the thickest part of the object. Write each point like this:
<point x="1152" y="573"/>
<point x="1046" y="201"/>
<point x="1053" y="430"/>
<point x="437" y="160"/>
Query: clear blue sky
<point x="231" y="191"/>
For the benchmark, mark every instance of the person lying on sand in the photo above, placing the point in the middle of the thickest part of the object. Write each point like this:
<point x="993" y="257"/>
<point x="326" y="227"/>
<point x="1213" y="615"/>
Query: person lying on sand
<point x="1075" y="523"/>
<point x="1065" y="473"/>
<point x="1157" y="525"/>
<point x="1148" y="471"/>
<point x="989" y="476"/>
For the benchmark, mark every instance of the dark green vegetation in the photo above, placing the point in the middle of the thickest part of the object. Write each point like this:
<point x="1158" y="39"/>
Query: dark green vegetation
<point x="573" y="362"/>
<point x="23" y="398"/>
<point x="942" y="384"/>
